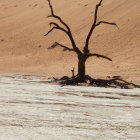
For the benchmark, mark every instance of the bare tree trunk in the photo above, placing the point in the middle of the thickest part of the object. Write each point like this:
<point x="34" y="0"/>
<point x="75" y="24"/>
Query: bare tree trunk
<point x="81" y="68"/>
<point x="82" y="55"/>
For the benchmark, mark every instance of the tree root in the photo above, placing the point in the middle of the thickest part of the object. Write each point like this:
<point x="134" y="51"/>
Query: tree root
<point x="107" y="83"/>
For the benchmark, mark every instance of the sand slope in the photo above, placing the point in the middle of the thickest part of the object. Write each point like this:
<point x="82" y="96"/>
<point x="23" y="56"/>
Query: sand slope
<point x="23" y="48"/>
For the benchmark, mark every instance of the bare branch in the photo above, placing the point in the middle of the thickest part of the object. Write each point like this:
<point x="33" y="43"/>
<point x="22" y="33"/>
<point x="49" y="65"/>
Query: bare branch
<point x="60" y="28"/>
<point x="68" y="31"/>
<point x="105" y="22"/>
<point x="96" y="11"/>
<point x="50" y="31"/>
<point x="61" y="21"/>
<point x="65" y="48"/>
<point x="57" y="17"/>
<point x="56" y="26"/>
<point x="53" y="23"/>
<point x="52" y="12"/>
<point x="100" y="56"/>
<point x="92" y="27"/>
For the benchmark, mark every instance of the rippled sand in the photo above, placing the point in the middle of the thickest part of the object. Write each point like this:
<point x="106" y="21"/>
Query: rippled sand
<point x="30" y="109"/>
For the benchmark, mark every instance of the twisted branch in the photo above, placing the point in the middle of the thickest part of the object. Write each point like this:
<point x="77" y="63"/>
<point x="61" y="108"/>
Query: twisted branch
<point x="105" y="22"/>
<point x="68" y="31"/>
<point x="99" y="56"/>
<point x="56" y="27"/>
<point x="50" y="31"/>
<point x="94" y="25"/>
<point x="65" y="48"/>
<point x="57" y="17"/>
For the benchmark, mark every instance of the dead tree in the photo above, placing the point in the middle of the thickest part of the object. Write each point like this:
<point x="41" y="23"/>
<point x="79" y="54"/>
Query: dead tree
<point x="85" y="53"/>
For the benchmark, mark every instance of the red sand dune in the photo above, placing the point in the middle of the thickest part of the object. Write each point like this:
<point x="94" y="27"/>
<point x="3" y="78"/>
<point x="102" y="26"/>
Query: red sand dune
<point x="23" y="47"/>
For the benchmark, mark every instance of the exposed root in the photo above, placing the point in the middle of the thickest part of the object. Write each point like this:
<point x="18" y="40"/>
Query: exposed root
<point x="115" y="82"/>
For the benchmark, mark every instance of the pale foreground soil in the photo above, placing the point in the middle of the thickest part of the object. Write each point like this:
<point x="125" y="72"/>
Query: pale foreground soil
<point x="30" y="109"/>
<point x="23" y="47"/>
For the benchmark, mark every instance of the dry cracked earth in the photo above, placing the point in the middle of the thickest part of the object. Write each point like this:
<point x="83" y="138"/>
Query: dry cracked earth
<point x="30" y="109"/>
